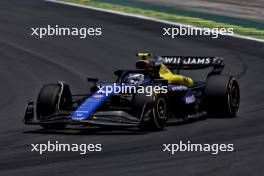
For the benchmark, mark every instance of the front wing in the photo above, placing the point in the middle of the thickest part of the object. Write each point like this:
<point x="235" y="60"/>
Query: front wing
<point x="100" y="118"/>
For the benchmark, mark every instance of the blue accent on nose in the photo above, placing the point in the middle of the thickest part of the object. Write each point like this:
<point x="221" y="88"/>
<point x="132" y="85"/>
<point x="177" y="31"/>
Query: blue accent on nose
<point x="91" y="104"/>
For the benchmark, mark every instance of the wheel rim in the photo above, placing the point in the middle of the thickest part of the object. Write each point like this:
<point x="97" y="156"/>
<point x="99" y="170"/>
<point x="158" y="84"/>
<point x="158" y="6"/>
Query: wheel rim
<point x="161" y="108"/>
<point x="234" y="97"/>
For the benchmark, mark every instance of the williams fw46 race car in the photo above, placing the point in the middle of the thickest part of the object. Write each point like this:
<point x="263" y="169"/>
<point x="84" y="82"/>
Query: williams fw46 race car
<point x="147" y="96"/>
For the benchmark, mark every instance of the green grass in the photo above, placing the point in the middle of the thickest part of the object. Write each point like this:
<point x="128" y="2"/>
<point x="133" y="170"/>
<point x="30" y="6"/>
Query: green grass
<point x="199" y="22"/>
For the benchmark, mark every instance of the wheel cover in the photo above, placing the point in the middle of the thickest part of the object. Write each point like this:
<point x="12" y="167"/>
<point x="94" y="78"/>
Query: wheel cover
<point x="234" y="98"/>
<point x="161" y="108"/>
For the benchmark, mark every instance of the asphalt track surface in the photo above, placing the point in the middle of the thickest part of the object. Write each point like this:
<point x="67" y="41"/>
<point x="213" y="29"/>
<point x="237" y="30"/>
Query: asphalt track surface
<point x="28" y="62"/>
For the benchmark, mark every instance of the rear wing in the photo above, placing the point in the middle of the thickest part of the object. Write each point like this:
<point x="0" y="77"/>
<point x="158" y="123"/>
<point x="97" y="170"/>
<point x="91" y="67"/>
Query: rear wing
<point x="181" y="62"/>
<point x="190" y="62"/>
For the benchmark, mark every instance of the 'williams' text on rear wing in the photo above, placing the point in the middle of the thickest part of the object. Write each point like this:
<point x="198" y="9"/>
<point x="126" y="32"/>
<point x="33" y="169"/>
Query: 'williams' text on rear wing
<point x="191" y="62"/>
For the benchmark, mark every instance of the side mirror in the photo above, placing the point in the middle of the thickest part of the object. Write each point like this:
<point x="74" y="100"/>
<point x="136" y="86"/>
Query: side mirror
<point x="94" y="87"/>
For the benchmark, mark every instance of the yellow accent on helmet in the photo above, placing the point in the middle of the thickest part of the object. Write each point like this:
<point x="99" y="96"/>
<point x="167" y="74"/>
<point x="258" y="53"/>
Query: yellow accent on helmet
<point x="143" y="54"/>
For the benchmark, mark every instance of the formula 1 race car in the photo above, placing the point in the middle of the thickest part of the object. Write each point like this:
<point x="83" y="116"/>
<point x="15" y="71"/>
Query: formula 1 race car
<point x="147" y="96"/>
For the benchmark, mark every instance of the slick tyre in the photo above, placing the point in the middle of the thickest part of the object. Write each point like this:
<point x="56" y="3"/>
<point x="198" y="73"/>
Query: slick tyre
<point x="51" y="98"/>
<point x="152" y="110"/>
<point x="222" y="96"/>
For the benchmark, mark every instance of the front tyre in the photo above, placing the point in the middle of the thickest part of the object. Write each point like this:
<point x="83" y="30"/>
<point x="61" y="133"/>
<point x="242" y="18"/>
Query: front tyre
<point x="153" y="111"/>
<point x="51" y="98"/>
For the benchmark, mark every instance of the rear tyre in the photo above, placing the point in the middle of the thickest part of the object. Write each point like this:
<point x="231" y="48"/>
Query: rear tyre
<point x="153" y="111"/>
<point x="51" y="98"/>
<point x="222" y="96"/>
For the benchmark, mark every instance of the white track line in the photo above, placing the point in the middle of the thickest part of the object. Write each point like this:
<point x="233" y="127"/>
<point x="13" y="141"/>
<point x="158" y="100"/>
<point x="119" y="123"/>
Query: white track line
<point x="145" y="18"/>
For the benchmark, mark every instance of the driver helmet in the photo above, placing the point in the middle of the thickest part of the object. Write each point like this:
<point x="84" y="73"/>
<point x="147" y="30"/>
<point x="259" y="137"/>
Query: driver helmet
<point x="135" y="78"/>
